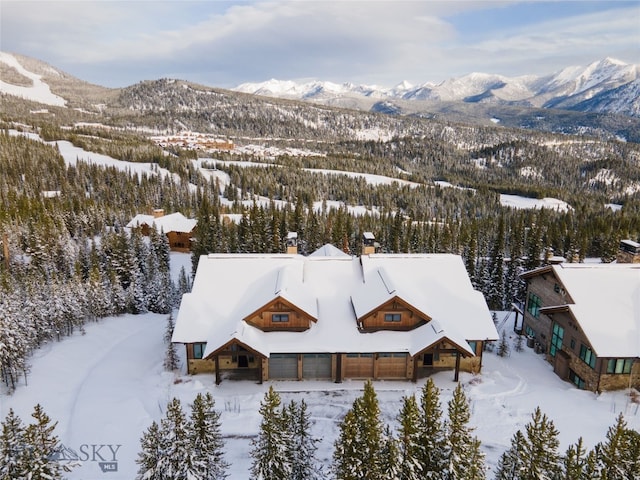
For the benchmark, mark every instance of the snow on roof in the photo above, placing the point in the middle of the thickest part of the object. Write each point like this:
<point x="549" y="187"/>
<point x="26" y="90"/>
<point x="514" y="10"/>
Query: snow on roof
<point x="329" y="250"/>
<point x="174" y="222"/>
<point x="607" y="305"/>
<point x="228" y="287"/>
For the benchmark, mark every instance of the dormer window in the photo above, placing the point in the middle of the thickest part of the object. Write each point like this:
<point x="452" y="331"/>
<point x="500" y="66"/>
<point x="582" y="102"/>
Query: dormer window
<point x="392" y="317"/>
<point x="280" y="318"/>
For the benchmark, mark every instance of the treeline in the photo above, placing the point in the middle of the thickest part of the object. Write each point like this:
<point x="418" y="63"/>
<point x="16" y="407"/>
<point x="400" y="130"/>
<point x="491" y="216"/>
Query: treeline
<point x="57" y="285"/>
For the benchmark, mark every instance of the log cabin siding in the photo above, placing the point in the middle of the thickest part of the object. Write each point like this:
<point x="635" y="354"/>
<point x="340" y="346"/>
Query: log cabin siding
<point x="297" y="320"/>
<point x="409" y="318"/>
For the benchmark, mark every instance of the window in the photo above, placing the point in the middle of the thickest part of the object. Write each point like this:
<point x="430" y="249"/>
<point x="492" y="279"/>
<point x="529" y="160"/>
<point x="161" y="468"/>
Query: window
<point x="473" y="344"/>
<point x="392" y="317"/>
<point x="198" y="350"/>
<point x="280" y="318"/>
<point x="534" y="304"/>
<point x="587" y="355"/>
<point x="619" y="365"/>
<point x="556" y="339"/>
<point x="576" y="380"/>
<point x="529" y="331"/>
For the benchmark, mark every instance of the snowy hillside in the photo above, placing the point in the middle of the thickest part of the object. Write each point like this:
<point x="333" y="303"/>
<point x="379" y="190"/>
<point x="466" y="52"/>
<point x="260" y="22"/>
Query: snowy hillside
<point x="570" y="88"/>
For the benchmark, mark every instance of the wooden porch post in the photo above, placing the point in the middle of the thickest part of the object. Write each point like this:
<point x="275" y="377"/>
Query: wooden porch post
<point x="218" y="379"/>
<point x="338" y="368"/>
<point x="260" y="372"/>
<point x="414" y="376"/>
<point x="457" y="374"/>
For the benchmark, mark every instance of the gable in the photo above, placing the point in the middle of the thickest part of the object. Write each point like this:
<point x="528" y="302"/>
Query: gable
<point x="279" y="315"/>
<point x="395" y="314"/>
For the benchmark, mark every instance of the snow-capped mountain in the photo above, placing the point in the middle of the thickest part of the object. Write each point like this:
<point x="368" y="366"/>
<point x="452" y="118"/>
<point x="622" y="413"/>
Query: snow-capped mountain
<point x="605" y="86"/>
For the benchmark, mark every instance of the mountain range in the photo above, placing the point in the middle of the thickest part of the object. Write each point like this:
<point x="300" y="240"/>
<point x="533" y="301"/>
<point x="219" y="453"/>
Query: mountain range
<point x="605" y="86"/>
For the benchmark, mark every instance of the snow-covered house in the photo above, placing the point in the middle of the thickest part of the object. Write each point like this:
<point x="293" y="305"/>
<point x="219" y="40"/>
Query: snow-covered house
<point x="585" y="318"/>
<point x="333" y="316"/>
<point x="178" y="228"/>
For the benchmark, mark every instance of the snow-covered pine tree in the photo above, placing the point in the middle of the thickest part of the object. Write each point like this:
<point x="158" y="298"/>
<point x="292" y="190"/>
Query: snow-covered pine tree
<point x="41" y="446"/>
<point x="409" y="439"/>
<point x="168" y="331"/>
<point x="512" y="462"/>
<point x="541" y="456"/>
<point x="177" y="461"/>
<point x="503" y="346"/>
<point x="171" y="360"/>
<point x="464" y="459"/>
<point x="206" y="440"/>
<point x="303" y="445"/>
<point x="270" y="449"/>
<point x="151" y="454"/>
<point x="370" y="428"/>
<point x="519" y="346"/>
<point x="12" y="448"/>
<point x="577" y="464"/>
<point x="618" y="457"/>
<point x="391" y="460"/>
<point x="433" y="451"/>
<point x="347" y="463"/>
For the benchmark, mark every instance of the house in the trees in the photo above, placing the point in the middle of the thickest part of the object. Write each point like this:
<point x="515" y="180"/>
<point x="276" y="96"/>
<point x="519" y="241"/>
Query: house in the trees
<point x="178" y="228"/>
<point x="332" y="316"/>
<point x="585" y="318"/>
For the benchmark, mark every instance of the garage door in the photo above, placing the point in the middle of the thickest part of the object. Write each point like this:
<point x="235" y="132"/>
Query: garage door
<point x="392" y="365"/>
<point x="283" y="365"/>
<point x="358" y="365"/>
<point x="316" y="365"/>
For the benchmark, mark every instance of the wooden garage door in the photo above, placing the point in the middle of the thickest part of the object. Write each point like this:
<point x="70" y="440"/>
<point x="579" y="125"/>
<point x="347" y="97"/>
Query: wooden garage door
<point x="283" y="366"/>
<point x="392" y="365"/>
<point x="358" y="365"/>
<point x="316" y="365"/>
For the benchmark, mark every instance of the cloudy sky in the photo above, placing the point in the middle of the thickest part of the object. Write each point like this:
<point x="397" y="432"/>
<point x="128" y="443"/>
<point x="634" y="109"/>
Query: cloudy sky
<point x="219" y="43"/>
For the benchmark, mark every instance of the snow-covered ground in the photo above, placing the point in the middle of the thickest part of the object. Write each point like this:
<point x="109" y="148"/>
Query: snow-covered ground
<point x="107" y="386"/>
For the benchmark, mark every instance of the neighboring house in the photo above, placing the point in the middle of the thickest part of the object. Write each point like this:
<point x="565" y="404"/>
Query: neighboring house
<point x="585" y="318"/>
<point x="178" y="228"/>
<point x="332" y="316"/>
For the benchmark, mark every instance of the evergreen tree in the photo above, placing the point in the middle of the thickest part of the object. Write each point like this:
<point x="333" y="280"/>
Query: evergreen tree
<point x="168" y="331"/>
<point x="178" y="460"/>
<point x="391" y="462"/>
<point x="465" y="461"/>
<point x="206" y="440"/>
<point x="503" y="346"/>
<point x="150" y="458"/>
<point x="512" y="462"/>
<point x="12" y="448"/>
<point x="346" y="460"/>
<point x="433" y="451"/>
<point x="270" y="450"/>
<point x="42" y="445"/>
<point x="302" y="446"/>
<point x="541" y="448"/>
<point x="171" y="360"/>
<point x="409" y="439"/>
<point x="358" y="449"/>
<point x="577" y="464"/>
<point x="618" y="457"/>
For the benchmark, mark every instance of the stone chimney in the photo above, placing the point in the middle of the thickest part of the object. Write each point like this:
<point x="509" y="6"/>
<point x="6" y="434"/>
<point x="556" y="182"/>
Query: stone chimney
<point x="369" y="243"/>
<point x="292" y="243"/>
<point x="158" y="212"/>
<point x="628" y="252"/>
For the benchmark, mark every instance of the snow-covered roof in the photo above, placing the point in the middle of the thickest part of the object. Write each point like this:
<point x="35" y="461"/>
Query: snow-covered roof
<point x="329" y="250"/>
<point x="606" y="305"/>
<point x="174" y="222"/>
<point x="229" y="287"/>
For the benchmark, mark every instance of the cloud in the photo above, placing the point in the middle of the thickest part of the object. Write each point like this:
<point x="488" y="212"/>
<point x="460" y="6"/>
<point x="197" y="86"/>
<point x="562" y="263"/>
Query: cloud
<point x="226" y="43"/>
